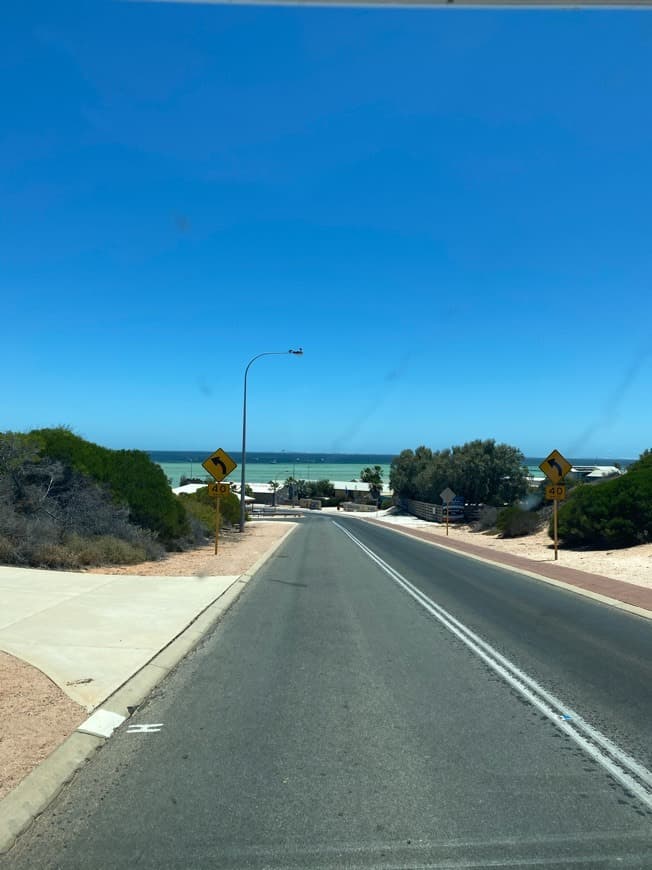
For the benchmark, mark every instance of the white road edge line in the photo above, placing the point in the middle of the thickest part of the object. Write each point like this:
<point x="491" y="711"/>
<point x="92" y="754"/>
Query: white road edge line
<point x="580" y="731"/>
<point x="579" y="722"/>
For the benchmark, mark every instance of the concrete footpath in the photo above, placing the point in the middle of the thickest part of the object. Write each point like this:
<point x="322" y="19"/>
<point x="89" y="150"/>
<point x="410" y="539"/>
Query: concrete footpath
<point x="107" y="641"/>
<point x="628" y="596"/>
<point x="90" y="632"/>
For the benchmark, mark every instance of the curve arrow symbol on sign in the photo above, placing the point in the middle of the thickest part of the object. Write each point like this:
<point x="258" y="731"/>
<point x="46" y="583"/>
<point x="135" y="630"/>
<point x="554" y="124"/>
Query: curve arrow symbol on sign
<point x="554" y="464"/>
<point x="219" y="462"/>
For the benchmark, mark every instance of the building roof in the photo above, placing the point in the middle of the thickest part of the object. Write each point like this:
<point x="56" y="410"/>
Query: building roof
<point x="189" y="488"/>
<point x="600" y="471"/>
<point x="358" y="486"/>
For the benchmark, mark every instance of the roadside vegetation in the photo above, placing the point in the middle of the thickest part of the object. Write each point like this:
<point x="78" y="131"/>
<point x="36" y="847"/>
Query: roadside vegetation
<point x="321" y="489"/>
<point x="200" y="506"/>
<point x="483" y="472"/>
<point x="67" y="503"/>
<point x="130" y="476"/>
<point x="616" y="513"/>
<point x="516" y="521"/>
<point x="374" y="477"/>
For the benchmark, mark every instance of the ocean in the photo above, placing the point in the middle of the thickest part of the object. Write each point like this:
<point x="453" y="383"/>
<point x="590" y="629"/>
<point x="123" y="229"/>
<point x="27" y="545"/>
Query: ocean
<point x="265" y="466"/>
<point x="262" y="467"/>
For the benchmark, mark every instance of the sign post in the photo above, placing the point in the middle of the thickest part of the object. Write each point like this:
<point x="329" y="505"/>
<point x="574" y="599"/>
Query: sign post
<point x="217" y="522"/>
<point x="555" y="467"/>
<point x="218" y="465"/>
<point x="218" y="489"/>
<point x="447" y="495"/>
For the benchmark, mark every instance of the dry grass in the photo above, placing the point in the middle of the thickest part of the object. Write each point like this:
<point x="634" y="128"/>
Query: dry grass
<point x="236" y="554"/>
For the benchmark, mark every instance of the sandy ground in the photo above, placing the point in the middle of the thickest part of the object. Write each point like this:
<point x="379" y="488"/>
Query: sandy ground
<point x="236" y="554"/>
<point x="36" y="716"/>
<point x="631" y="565"/>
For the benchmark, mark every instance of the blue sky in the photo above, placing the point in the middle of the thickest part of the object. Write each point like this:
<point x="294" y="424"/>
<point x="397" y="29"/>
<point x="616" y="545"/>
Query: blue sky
<point x="448" y="209"/>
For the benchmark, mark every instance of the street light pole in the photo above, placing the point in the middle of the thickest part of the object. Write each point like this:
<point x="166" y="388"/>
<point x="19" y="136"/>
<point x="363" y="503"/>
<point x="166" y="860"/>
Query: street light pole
<point x="243" y="511"/>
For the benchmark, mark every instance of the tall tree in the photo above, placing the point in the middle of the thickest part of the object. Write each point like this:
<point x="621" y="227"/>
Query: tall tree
<point x="483" y="472"/>
<point x="274" y="485"/>
<point x="374" y="477"/>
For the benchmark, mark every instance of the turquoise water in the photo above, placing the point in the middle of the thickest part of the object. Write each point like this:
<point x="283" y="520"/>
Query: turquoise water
<point x="262" y="467"/>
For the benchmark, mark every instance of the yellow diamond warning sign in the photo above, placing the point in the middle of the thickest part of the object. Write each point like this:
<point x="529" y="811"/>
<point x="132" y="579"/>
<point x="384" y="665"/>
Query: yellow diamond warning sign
<point x="219" y="464"/>
<point x="555" y="467"/>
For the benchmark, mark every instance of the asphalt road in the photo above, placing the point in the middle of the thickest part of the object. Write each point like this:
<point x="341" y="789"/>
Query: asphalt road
<point x="338" y="717"/>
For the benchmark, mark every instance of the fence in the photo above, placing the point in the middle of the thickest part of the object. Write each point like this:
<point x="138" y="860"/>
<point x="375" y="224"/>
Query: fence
<point x="269" y="511"/>
<point x="436" y="513"/>
<point x="355" y="506"/>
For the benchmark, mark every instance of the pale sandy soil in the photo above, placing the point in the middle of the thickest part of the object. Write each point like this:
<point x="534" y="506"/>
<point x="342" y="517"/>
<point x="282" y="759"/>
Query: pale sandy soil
<point x="36" y="716"/>
<point x="236" y="554"/>
<point x="631" y="565"/>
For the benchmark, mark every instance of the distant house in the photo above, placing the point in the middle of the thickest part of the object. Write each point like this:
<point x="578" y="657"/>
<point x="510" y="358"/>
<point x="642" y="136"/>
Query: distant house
<point x="263" y="493"/>
<point x="356" y="489"/>
<point x="193" y="487"/>
<point x="583" y="474"/>
<point x="594" y="473"/>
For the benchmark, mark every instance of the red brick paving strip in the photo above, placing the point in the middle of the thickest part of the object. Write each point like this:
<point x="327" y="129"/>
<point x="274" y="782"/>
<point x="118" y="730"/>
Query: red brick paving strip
<point x="628" y="593"/>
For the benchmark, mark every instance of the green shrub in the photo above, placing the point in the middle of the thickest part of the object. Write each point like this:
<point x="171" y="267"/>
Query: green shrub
<point x="230" y="509"/>
<point x="514" y="522"/>
<point x="201" y="506"/>
<point x="487" y="518"/>
<point x="55" y="516"/>
<point x="321" y="489"/>
<point x="617" y="513"/>
<point x="131" y="476"/>
<point x="482" y="471"/>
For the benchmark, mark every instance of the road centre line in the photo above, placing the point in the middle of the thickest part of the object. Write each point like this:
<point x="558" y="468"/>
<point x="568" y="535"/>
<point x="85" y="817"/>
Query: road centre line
<point x="630" y="773"/>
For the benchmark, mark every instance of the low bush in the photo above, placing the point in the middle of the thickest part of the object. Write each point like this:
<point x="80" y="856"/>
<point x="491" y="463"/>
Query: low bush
<point x="617" y="513"/>
<point x="201" y="507"/>
<point x="7" y="551"/>
<point x="56" y="556"/>
<point x="111" y="550"/>
<point x="130" y="475"/>
<point x="230" y="509"/>
<point x="486" y="519"/>
<point x="514" y="522"/>
<point x="107" y="550"/>
<point x="54" y="516"/>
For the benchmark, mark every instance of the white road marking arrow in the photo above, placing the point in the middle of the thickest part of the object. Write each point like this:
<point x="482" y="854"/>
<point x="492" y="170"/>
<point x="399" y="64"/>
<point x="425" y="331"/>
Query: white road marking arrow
<point x="144" y="729"/>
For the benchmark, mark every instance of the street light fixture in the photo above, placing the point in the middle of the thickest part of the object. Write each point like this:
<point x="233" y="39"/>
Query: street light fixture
<point x="298" y="352"/>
